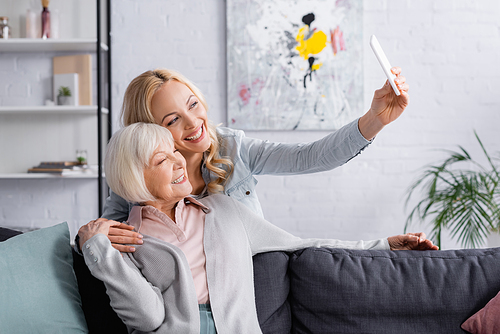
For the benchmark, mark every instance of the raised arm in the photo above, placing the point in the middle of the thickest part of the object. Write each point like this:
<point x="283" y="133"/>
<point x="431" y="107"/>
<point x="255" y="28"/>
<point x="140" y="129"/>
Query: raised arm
<point x="334" y="150"/>
<point x="264" y="157"/>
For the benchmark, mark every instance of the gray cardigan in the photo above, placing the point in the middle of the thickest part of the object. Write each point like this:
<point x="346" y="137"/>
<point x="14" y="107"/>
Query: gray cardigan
<point x="153" y="290"/>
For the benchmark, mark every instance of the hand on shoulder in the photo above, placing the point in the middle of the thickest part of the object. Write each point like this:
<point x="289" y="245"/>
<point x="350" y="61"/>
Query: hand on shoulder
<point x="119" y="234"/>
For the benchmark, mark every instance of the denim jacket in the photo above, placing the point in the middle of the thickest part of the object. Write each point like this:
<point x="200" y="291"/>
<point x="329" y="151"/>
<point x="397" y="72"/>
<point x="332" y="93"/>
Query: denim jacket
<point x="252" y="156"/>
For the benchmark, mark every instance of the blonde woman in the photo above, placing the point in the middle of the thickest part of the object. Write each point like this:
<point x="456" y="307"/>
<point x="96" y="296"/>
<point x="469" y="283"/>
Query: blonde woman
<point x="194" y="272"/>
<point x="224" y="160"/>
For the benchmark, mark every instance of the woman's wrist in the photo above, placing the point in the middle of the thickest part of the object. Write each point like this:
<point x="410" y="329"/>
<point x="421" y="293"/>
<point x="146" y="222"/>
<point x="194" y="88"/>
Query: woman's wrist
<point x="369" y="125"/>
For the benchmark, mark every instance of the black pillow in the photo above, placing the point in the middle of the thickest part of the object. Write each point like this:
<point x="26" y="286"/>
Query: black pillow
<point x="6" y="233"/>
<point x="100" y="316"/>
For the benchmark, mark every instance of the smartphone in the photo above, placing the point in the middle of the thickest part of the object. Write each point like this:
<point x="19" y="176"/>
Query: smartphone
<point x="384" y="62"/>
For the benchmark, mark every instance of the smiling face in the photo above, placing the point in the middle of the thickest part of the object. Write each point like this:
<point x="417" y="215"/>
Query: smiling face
<point x="175" y="107"/>
<point x="166" y="177"/>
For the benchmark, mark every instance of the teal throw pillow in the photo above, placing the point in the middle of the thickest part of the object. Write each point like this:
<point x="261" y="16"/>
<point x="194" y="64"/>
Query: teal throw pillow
<point x="38" y="288"/>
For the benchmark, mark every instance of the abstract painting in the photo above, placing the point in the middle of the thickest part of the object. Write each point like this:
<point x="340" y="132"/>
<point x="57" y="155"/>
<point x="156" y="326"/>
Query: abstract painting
<point x="294" y="64"/>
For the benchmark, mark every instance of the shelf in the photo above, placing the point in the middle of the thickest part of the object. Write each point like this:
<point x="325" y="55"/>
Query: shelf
<point x="42" y="45"/>
<point x="46" y="176"/>
<point x="54" y="110"/>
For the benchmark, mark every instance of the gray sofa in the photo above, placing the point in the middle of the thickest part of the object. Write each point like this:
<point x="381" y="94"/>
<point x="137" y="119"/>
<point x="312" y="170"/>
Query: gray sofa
<point x="318" y="290"/>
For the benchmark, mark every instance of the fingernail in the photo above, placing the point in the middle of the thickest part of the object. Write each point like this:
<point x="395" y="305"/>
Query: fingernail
<point x="132" y="249"/>
<point x="140" y="236"/>
<point x="140" y="242"/>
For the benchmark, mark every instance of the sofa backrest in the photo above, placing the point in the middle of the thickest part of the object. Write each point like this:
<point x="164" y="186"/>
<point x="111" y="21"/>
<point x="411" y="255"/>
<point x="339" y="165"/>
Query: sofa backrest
<point x="364" y="291"/>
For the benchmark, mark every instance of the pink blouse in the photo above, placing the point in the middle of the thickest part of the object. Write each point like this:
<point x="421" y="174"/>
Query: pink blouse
<point x="185" y="233"/>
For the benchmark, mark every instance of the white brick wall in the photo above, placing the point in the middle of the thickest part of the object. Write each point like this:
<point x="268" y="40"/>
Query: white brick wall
<point x="37" y="203"/>
<point x="449" y="51"/>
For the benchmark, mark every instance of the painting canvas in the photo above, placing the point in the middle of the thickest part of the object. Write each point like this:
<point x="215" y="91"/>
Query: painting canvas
<point x="294" y="64"/>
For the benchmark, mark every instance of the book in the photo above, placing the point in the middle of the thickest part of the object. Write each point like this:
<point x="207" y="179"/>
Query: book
<point x="53" y="167"/>
<point x="60" y="171"/>
<point x="47" y="167"/>
<point x="57" y="167"/>
<point x="46" y="170"/>
<point x="59" y="164"/>
<point x="71" y="170"/>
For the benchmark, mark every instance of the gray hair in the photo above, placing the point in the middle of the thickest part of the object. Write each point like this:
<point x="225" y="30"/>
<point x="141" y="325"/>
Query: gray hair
<point x="128" y="153"/>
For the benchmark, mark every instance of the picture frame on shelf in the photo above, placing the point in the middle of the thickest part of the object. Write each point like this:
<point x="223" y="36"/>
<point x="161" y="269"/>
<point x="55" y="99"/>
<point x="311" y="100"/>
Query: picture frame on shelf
<point x="81" y="64"/>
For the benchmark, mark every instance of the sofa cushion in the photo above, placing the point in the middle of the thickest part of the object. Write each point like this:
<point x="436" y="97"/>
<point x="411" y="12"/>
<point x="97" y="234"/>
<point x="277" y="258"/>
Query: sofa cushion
<point x="38" y="289"/>
<point x="363" y="291"/>
<point x="272" y="287"/>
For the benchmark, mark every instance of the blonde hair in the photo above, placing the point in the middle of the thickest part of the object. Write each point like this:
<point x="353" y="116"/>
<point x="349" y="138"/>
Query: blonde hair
<point x="137" y="108"/>
<point x="129" y="151"/>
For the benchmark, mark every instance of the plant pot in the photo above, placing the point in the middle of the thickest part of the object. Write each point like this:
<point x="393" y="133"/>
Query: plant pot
<point x="64" y="100"/>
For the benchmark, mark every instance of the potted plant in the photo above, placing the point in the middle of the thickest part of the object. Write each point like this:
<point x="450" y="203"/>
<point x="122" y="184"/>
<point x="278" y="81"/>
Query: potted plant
<point x="81" y="157"/>
<point x="63" y="96"/>
<point x="463" y="200"/>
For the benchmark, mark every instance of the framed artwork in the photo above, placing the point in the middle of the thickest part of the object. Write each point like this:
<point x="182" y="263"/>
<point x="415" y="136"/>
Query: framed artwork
<point x="294" y="64"/>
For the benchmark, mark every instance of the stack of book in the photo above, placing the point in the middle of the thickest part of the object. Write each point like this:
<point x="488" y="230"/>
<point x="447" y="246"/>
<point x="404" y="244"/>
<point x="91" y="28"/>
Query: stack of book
<point x="58" y="167"/>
